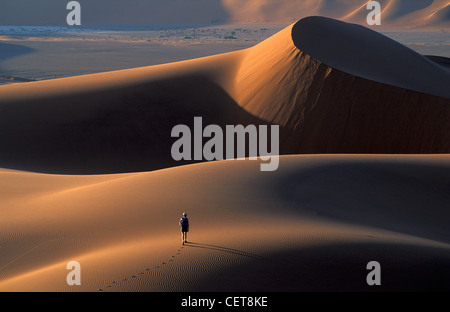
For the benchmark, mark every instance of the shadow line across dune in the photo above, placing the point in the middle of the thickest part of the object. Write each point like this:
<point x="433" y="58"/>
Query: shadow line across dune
<point x="356" y="100"/>
<point x="126" y="129"/>
<point x="222" y="249"/>
<point x="338" y="267"/>
<point x="409" y="198"/>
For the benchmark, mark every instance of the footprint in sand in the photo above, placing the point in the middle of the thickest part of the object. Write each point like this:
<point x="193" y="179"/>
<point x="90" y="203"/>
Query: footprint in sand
<point x="140" y="273"/>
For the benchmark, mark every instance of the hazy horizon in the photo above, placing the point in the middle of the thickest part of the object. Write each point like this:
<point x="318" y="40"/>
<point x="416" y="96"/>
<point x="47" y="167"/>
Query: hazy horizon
<point x="396" y="13"/>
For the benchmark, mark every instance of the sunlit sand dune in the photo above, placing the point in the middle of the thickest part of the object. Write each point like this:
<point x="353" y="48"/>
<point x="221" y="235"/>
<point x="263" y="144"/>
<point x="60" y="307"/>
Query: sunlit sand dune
<point x="333" y="87"/>
<point x="395" y="13"/>
<point x="313" y="224"/>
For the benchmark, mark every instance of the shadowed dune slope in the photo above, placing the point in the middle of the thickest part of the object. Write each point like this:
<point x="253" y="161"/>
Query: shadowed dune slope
<point x="333" y="87"/>
<point x="312" y="225"/>
<point x="374" y="56"/>
<point x="342" y="88"/>
<point x="443" y="61"/>
<point x="113" y="122"/>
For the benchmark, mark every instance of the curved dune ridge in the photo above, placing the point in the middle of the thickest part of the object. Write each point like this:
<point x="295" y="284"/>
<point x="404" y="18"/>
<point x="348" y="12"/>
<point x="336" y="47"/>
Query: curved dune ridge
<point x="335" y="100"/>
<point x="122" y="228"/>
<point x="440" y="15"/>
<point x="333" y="87"/>
<point x="395" y="13"/>
<point x="122" y="225"/>
<point x="375" y="57"/>
<point x="405" y="13"/>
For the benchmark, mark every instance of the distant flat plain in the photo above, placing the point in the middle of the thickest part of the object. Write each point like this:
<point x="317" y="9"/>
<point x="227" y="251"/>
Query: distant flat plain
<point x="54" y="52"/>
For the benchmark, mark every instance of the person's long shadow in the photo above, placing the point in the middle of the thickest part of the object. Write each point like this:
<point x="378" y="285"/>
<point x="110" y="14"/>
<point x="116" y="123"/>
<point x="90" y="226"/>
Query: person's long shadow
<point x="223" y="249"/>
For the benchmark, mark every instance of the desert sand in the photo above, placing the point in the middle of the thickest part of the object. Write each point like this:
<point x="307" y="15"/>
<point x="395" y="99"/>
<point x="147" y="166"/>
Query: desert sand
<point x="312" y="226"/>
<point x="88" y="174"/>
<point x="121" y="121"/>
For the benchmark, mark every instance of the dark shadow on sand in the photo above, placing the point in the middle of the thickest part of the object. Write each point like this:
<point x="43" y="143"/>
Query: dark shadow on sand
<point x="125" y="129"/>
<point x="410" y="198"/>
<point x="440" y="60"/>
<point x="222" y="249"/>
<point x="337" y="267"/>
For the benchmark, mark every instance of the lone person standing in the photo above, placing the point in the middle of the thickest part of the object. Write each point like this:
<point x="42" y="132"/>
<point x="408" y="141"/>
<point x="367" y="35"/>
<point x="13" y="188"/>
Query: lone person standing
<point x="184" y="225"/>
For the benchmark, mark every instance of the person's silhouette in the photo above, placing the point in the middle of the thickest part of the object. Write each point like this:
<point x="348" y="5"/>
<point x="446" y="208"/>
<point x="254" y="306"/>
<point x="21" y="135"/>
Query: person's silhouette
<point x="184" y="225"/>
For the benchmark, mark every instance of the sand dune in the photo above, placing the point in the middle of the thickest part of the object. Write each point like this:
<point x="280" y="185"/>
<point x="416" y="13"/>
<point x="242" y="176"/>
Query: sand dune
<point x="326" y="91"/>
<point x="122" y="227"/>
<point x="289" y="224"/>
<point x="440" y="16"/>
<point x="443" y="61"/>
<point x="403" y="13"/>
<point x="392" y="100"/>
<point x="396" y="13"/>
<point x="376" y="57"/>
<point x="95" y="123"/>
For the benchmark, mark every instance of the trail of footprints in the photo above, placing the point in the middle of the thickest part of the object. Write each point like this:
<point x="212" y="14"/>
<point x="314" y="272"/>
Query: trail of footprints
<point x="147" y="270"/>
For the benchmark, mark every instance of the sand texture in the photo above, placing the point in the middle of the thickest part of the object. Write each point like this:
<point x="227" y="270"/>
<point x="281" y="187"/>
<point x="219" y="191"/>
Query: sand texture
<point x="88" y="176"/>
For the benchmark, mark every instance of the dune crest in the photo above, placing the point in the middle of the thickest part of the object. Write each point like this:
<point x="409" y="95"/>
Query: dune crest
<point x="321" y="81"/>
<point x="368" y="54"/>
<point x="333" y="87"/>
<point x="395" y="13"/>
<point x="342" y="88"/>
<point x="123" y="231"/>
<point x="440" y="16"/>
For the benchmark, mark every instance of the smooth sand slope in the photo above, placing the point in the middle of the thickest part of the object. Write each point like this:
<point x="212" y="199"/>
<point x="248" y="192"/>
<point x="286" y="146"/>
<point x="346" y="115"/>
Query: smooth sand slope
<point x="312" y="225"/>
<point x="356" y="92"/>
<point x="332" y="87"/>
<point x="406" y="13"/>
